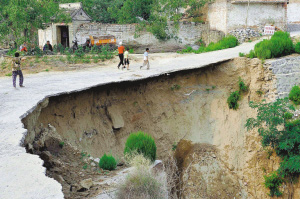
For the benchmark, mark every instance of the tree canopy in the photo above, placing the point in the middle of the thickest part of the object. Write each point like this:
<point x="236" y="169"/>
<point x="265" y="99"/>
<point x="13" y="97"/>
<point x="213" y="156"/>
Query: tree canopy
<point x="19" y="18"/>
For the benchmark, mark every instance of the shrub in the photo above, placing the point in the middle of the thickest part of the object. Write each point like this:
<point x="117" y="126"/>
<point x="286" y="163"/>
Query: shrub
<point x="79" y="52"/>
<point x="108" y="162"/>
<point x="142" y="143"/>
<point x="288" y="115"/>
<point x="241" y="54"/>
<point x="297" y="48"/>
<point x="279" y="45"/>
<point x="233" y="100"/>
<point x="242" y="85"/>
<point x="226" y="42"/>
<point x="251" y="55"/>
<point x="273" y="181"/>
<point x="295" y="95"/>
<point x="141" y="182"/>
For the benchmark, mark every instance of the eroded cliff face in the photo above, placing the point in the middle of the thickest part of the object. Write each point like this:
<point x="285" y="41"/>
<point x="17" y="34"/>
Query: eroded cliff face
<point x="223" y="160"/>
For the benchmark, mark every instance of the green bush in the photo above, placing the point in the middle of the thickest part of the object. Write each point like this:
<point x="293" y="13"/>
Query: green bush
<point x="273" y="181"/>
<point x="142" y="143"/>
<point x="295" y="95"/>
<point x="279" y="45"/>
<point x="288" y="115"/>
<point x="242" y="85"/>
<point x="226" y="42"/>
<point x="107" y="162"/>
<point x="297" y="48"/>
<point x="241" y="54"/>
<point x="233" y="100"/>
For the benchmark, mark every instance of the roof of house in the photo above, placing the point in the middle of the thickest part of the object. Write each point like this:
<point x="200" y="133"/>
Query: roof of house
<point x="75" y="10"/>
<point x="258" y="1"/>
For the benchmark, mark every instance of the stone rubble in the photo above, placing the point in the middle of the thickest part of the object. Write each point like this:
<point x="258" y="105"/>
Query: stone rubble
<point x="244" y="35"/>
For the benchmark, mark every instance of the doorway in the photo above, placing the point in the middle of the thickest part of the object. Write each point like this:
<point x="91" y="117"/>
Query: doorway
<point x="63" y="36"/>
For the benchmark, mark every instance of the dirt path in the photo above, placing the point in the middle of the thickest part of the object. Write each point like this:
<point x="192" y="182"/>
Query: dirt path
<point x="22" y="174"/>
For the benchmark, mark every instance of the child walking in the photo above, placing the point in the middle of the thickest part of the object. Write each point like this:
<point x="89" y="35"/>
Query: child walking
<point x="146" y="60"/>
<point x="126" y="58"/>
<point x="16" y="70"/>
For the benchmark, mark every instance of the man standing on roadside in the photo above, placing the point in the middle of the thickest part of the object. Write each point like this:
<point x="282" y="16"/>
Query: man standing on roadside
<point x="16" y="70"/>
<point x="146" y="59"/>
<point x="121" y="50"/>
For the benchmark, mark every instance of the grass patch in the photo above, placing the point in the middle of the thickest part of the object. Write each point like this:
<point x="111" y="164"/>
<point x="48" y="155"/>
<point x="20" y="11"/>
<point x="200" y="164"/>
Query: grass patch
<point x="226" y="42"/>
<point x="175" y="87"/>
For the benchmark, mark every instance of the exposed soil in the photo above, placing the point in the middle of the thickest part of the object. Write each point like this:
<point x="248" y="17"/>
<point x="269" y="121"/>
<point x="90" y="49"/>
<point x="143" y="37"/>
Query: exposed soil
<point x="188" y="105"/>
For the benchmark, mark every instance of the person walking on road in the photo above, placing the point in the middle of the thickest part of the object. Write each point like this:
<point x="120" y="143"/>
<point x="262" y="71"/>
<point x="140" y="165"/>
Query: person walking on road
<point x="146" y="59"/>
<point x="126" y="59"/>
<point x="16" y="70"/>
<point x="121" y="50"/>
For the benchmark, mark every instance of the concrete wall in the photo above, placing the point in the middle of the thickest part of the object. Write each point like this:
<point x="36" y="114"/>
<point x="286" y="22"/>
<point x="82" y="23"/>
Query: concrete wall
<point x="217" y="15"/>
<point x="50" y="34"/>
<point x="187" y="34"/>
<point x="259" y="14"/>
<point x="293" y="14"/>
<point x="226" y="16"/>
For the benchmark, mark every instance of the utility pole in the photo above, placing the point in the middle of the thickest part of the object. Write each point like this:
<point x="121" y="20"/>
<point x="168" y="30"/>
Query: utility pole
<point x="247" y="13"/>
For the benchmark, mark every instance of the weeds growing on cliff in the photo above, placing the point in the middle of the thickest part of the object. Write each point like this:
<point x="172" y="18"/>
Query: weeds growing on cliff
<point x="233" y="100"/>
<point x="295" y="95"/>
<point x="242" y="85"/>
<point x="234" y="97"/>
<point x="259" y="93"/>
<point x="281" y="134"/>
<point x="175" y="87"/>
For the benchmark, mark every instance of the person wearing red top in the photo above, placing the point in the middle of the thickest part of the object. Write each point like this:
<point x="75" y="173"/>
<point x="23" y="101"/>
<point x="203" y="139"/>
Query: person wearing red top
<point x="121" y="50"/>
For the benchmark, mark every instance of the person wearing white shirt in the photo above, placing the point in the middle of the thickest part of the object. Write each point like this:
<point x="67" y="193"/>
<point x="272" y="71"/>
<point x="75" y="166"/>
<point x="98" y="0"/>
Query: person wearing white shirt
<point x="146" y="59"/>
<point x="126" y="59"/>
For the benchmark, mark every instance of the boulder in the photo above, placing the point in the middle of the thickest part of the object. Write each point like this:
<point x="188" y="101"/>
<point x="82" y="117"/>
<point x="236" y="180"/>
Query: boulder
<point x="87" y="183"/>
<point x="116" y="117"/>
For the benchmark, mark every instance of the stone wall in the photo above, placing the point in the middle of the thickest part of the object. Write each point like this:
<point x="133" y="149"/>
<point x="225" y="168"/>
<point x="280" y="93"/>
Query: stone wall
<point x="287" y="74"/>
<point x="245" y="34"/>
<point x="187" y="34"/>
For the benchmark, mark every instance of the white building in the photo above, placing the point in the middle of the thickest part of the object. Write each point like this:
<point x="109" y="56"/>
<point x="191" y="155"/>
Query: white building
<point x="61" y="33"/>
<point x="227" y="15"/>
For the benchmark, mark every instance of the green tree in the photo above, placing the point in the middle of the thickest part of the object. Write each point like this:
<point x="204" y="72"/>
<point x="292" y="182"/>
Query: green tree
<point x="282" y="134"/>
<point x="21" y="18"/>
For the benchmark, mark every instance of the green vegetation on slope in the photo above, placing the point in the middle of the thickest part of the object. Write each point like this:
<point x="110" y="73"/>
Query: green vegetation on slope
<point x="226" y="42"/>
<point x="281" y="133"/>
<point x="279" y="45"/>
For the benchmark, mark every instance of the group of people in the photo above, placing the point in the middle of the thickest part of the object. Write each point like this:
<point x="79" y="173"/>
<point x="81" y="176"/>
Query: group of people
<point x="47" y="46"/>
<point x="124" y="57"/>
